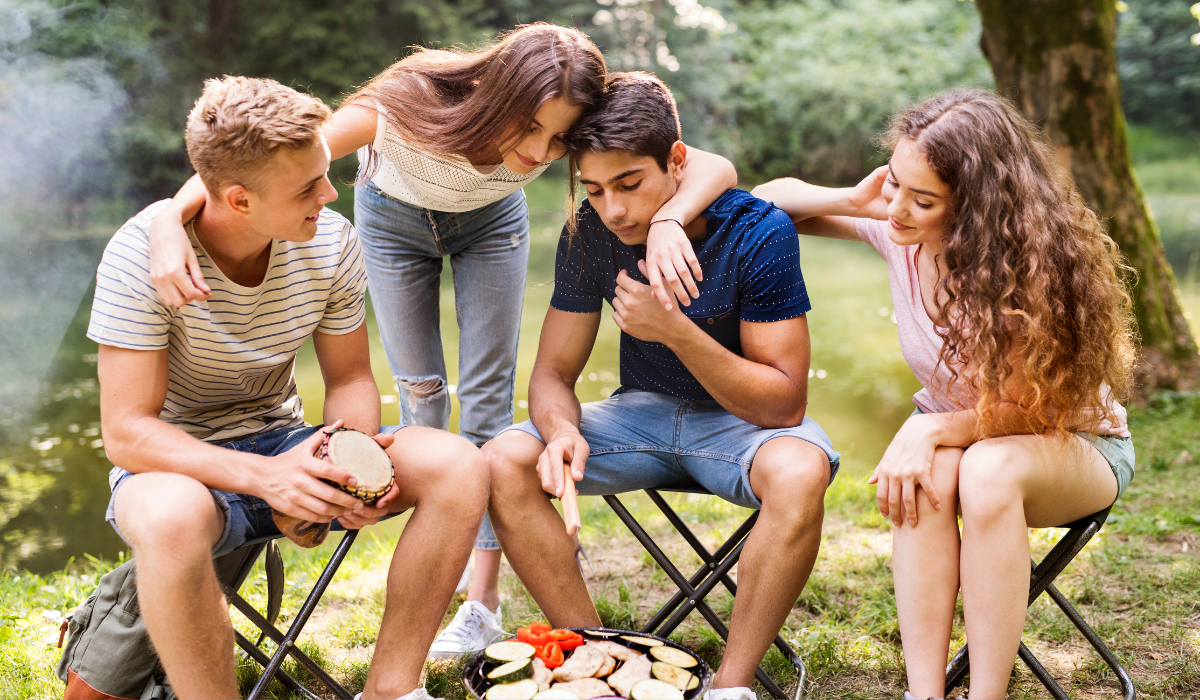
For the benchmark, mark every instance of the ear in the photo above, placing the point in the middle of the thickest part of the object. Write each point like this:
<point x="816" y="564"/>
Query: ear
<point x="237" y="198"/>
<point x="677" y="160"/>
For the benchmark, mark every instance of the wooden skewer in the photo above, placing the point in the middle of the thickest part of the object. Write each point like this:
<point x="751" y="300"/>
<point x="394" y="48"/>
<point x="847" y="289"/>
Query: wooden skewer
<point x="569" y="503"/>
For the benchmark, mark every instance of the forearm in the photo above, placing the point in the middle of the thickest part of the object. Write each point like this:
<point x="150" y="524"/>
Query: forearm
<point x="355" y="403"/>
<point x="961" y="428"/>
<point x="802" y="200"/>
<point x="706" y="177"/>
<point x="553" y="406"/>
<point x="755" y="392"/>
<point x="188" y="201"/>
<point x="147" y="444"/>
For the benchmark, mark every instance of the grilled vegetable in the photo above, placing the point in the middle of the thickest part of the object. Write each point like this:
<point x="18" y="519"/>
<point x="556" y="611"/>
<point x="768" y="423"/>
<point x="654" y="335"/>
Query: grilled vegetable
<point x="551" y="654"/>
<point x="673" y="656"/>
<point x="651" y="689"/>
<point x="585" y="688"/>
<point x="521" y="690"/>
<point x="503" y="652"/>
<point x="671" y="674"/>
<point x="512" y="671"/>
<point x="599" y="633"/>
<point x="694" y="684"/>
<point x="644" y="641"/>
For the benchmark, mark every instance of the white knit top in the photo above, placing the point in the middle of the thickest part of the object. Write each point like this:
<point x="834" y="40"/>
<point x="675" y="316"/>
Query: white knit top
<point x="440" y="183"/>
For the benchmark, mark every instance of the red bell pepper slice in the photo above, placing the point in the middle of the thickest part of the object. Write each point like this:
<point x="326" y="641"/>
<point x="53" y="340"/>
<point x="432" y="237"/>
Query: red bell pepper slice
<point x="537" y="638"/>
<point x="567" y="640"/>
<point x="540" y="626"/>
<point x="551" y="654"/>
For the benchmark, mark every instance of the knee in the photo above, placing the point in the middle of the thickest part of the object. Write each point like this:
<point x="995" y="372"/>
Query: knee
<point x="174" y="514"/>
<point x="946" y="461"/>
<point x="793" y="477"/>
<point x="989" y="480"/>
<point x="507" y="462"/>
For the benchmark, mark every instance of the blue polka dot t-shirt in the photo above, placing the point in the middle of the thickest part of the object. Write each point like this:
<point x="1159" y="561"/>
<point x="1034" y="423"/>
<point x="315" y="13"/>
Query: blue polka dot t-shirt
<point x="751" y="262"/>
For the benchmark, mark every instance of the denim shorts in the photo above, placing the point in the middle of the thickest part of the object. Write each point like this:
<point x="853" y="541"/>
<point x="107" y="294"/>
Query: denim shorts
<point x="1117" y="451"/>
<point x="646" y="440"/>
<point x="247" y="518"/>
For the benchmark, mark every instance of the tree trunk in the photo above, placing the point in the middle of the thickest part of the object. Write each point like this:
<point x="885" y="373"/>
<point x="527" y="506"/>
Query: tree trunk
<point x="1057" y="59"/>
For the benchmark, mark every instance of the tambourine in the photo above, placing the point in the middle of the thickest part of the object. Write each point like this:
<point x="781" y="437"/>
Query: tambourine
<point x="354" y="452"/>
<point x="362" y="457"/>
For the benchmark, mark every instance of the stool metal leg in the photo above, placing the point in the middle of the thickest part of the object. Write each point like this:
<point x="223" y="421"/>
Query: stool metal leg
<point x="257" y="654"/>
<point x="287" y="642"/>
<point x="690" y="597"/>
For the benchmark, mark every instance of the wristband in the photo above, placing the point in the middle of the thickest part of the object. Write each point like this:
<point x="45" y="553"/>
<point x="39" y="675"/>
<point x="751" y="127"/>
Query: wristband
<point x="659" y="221"/>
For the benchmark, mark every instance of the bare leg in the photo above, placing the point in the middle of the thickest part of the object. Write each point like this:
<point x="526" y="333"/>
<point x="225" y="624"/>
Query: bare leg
<point x="445" y="479"/>
<point x="172" y="523"/>
<point x="790" y="476"/>
<point x="1007" y="485"/>
<point x="925" y="570"/>
<point x="532" y="534"/>
<point x="485" y="580"/>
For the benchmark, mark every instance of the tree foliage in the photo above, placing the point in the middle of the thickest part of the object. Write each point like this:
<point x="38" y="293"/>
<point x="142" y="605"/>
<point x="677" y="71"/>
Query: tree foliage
<point x="1160" y="64"/>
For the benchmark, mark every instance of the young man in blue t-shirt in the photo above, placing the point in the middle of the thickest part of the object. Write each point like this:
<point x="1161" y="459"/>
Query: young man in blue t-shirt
<point x="712" y="394"/>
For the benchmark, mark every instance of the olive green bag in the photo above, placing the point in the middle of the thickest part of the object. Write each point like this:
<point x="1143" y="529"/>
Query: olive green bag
<point x="108" y="654"/>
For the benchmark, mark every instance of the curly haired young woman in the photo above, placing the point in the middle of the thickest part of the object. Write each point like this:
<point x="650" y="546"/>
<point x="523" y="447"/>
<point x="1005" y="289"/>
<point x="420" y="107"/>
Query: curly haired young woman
<point x="1013" y="316"/>
<point x="446" y="140"/>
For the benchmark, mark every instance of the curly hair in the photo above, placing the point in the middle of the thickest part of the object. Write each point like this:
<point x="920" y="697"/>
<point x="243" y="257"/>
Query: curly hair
<point x="1033" y="286"/>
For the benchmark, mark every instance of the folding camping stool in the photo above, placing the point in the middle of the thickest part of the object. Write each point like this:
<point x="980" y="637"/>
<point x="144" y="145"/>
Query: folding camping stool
<point x="692" y="591"/>
<point x="1042" y="580"/>
<point x="232" y="570"/>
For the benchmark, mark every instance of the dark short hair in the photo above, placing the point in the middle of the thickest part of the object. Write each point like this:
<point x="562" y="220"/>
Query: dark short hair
<point x="636" y="114"/>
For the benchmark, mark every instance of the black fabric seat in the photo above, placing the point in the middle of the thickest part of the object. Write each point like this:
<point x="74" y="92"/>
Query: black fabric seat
<point x="692" y="591"/>
<point x="1042" y="581"/>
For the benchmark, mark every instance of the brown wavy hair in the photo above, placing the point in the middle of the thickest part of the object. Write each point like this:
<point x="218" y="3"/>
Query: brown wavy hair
<point x="458" y="102"/>
<point x="1034" y="284"/>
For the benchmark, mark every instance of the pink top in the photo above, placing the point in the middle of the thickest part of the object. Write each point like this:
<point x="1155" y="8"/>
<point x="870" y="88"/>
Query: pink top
<point x="921" y="344"/>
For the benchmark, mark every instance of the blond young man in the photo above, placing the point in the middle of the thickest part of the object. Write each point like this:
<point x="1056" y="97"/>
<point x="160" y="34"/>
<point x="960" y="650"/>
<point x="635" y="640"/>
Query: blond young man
<point x="200" y="410"/>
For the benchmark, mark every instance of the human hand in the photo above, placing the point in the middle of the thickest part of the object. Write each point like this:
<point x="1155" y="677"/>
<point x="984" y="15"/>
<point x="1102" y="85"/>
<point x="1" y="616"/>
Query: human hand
<point x="570" y="449"/>
<point x="867" y="196"/>
<point x="906" y="464"/>
<point x="292" y="483"/>
<point x="639" y="314"/>
<point x="670" y="258"/>
<point x="174" y="268"/>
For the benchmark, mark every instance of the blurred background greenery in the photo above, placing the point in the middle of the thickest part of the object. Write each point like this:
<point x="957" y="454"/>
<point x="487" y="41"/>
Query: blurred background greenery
<point x="93" y="96"/>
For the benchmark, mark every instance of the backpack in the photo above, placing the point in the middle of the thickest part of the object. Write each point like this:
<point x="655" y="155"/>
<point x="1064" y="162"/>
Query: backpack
<point x="108" y="654"/>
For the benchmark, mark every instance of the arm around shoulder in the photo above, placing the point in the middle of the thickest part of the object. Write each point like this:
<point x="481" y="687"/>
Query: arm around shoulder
<point x="174" y="268"/>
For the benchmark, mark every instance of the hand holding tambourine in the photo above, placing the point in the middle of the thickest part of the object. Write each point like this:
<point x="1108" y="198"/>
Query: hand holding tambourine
<point x="359" y="455"/>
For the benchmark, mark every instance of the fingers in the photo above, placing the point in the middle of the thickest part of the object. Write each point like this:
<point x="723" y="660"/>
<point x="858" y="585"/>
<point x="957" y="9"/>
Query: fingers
<point x="685" y="274"/>
<point x="385" y="440"/>
<point x="550" y="466"/>
<point x="321" y="469"/>
<point x="926" y="481"/>
<point x="386" y="499"/>
<point x="909" y="498"/>
<point x="689" y="256"/>
<point x="656" y="285"/>
<point x="671" y="278"/>
<point x="193" y="266"/>
<point x="881" y="496"/>
<point x="895" y="492"/>
<point x="579" y="454"/>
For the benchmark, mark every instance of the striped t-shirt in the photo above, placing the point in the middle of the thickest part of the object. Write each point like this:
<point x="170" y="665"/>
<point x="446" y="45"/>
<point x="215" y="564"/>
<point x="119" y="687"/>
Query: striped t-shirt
<point x="751" y="263"/>
<point x="230" y="359"/>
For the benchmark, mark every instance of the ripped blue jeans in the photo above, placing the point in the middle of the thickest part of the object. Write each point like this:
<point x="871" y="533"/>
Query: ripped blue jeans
<point x="404" y="247"/>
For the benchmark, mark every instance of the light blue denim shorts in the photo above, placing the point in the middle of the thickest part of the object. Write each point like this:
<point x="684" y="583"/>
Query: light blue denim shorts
<point x="646" y="440"/>
<point x="247" y="517"/>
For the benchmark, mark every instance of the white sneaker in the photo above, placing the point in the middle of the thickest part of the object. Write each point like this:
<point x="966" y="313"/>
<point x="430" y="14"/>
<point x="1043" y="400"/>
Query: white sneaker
<point x="473" y="628"/>
<point x="736" y="693"/>
<point x="418" y="694"/>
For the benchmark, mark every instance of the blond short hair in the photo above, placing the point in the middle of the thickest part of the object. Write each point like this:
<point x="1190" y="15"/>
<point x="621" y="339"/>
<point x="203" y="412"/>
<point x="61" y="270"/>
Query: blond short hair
<point x="239" y="123"/>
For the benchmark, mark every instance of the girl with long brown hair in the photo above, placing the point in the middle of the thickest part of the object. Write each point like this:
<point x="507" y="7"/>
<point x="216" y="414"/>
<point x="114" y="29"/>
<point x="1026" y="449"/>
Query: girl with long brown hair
<point x="446" y="139"/>
<point x="1013" y="315"/>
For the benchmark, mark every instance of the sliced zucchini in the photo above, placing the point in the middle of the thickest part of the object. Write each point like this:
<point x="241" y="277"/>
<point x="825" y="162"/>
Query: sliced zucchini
<point x="644" y="641"/>
<point x="694" y="684"/>
<point x="556" y="694"/>
<point x="673" y="656"/>
<point x="651" y="689"/>
<point x="598" y="633"/>
<point x="512" y="671"/>
<point x="521" y="690"/>
<point x="671" y="674"/>
<point x="503" y="652"/>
